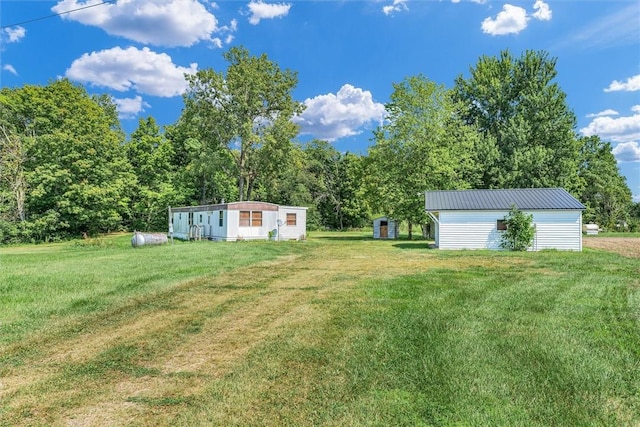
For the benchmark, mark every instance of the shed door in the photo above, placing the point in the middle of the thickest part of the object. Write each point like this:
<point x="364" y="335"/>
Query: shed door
<point x="384" y="229"/>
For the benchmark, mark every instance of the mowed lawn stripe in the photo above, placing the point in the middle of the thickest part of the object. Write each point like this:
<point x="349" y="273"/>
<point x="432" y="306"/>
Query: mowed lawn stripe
<point x="349" y="332"/>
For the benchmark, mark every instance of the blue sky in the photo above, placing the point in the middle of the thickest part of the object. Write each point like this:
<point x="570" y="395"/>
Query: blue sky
<point x="347" y="54"/>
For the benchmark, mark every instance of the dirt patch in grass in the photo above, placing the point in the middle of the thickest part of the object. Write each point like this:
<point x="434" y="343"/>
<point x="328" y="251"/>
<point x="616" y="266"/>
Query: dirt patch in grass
<point x="626" y="246"/>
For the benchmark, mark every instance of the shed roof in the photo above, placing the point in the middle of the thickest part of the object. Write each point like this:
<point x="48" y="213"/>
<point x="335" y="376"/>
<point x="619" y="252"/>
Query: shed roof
<point x="501" y="199"/>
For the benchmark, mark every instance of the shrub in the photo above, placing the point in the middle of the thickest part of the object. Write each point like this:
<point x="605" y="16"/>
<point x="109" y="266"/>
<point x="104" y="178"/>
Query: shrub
<point x="520" y="232"/>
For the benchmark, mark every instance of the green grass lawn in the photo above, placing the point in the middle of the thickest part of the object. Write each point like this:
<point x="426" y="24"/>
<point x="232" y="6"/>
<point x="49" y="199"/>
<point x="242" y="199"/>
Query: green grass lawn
<point x="338" y="330"/>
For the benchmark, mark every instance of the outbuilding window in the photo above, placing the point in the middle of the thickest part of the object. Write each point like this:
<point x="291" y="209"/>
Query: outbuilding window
<point x="501" y="225"/>
<point x="291" y="219"/>
<point x="221" y="218"/>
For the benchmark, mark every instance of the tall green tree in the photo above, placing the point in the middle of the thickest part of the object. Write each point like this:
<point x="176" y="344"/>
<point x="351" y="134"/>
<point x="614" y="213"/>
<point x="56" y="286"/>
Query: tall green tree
<point x="246" y="110"/>
<point x="150" y="154"/>
<point x="13" y="186"/>
<point x="286" y="182"/>
<point x="518" y="104"/>
<point x="205" y="173"/>
<point x="604" y="190"/>
<point x="76" y="172"/>
<point x="335" y="181"/>
<point x="423" y="146"/>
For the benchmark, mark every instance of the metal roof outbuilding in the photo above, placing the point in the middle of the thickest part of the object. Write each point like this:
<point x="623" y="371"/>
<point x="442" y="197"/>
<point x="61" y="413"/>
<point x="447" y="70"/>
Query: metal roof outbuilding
<point x="501" y="199"/>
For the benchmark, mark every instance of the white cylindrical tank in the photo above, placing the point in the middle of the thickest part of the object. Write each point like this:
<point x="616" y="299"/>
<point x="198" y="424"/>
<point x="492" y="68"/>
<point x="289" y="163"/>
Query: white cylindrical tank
<point x="141" y="239"/>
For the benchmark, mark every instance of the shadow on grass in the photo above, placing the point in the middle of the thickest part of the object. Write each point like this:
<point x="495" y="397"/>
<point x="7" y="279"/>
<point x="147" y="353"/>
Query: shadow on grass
<point x="343" y="238"/>
<point x="418" y="244"/>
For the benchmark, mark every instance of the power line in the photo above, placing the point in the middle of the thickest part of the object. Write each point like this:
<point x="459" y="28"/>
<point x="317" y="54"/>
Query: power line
<point x="56" y="14"/>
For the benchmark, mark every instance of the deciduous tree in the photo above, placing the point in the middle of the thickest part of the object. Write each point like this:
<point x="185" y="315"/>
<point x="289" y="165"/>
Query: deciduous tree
<point x="516" y="102"/>
<point x="423" y="146"/>
<point x="150" y="154"/>
<point x="603" y="189"/>
<point x="75" y="170"/>
<point x="248" y="111"/>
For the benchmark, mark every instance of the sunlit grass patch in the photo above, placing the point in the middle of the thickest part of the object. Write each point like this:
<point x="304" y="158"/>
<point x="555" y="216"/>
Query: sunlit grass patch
<point x="331" y="331"/>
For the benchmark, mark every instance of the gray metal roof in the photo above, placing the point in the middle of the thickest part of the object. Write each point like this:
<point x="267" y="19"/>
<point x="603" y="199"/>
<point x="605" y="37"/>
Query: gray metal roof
<point x="523" y="198"/>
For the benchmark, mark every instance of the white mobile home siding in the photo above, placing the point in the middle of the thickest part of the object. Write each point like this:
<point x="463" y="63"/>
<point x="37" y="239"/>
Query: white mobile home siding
<point x="289" y="231"/>
<point x="477" y="230"/>
<point x="181" y="225"/>
<point x="222" y="221"/>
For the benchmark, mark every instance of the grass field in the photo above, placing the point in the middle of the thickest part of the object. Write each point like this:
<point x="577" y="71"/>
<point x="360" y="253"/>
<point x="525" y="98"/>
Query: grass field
<point x="337" y="330"/>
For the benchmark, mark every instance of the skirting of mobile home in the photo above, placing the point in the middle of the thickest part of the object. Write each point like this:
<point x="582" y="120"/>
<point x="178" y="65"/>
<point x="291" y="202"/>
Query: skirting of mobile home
<point x="239" y="221"/>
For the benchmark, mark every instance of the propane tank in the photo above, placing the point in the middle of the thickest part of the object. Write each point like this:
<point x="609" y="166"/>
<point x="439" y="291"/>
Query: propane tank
<point x="141" y="239"/>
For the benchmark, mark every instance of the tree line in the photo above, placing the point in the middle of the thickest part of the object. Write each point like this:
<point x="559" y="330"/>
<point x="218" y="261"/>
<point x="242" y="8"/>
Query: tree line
<point x="67" y="169"/>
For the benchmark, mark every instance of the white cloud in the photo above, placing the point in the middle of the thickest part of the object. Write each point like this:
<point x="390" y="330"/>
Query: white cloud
<point x="128" y="108"/>
<point x="334" y="116"/>
<point x="631" y="85"/>
<point x="260" y="10"/>
<point x="9" y="68"/>
<point x="13" y="34"/>
<point x="143" y="70"/>
<point x="397" y="6"/>
<point x="618" y="129"/>
<point x="511" y="20"/>
<point x="157" y="22"/>
<point x="543" y="12"/>
<point x="627" y="152"/>
<point x="608" y="112"/>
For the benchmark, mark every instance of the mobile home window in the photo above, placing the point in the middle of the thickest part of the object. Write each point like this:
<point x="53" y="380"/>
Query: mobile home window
<point x="256" y="219"/>
<point x="501" y="225"/>
<point x="245" y="218"/>
<point x="221" y="218"/>
<point x="291" y="219"/>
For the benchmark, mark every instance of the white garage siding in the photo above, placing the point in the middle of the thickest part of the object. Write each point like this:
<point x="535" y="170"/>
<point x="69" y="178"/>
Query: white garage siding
<point x="558" y="230"/>
<point x="468" y="219"/>
<point x="469" y="230"/>
<point x="478" y="230"/>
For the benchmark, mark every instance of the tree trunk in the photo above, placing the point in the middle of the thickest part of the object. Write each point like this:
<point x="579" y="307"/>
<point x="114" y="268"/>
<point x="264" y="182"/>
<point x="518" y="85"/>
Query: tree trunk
<point x="241" y="187"/>
<point x="410" y="230"/>
<point x="203" y="190"/>
<point x="249" y="187"/>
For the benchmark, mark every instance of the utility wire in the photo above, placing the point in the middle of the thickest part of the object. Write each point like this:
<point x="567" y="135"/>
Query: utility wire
<point x="56" y="14"/>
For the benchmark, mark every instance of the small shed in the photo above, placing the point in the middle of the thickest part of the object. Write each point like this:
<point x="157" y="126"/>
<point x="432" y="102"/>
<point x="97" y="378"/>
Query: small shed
<point x="385" y="228"/>
<point x="590" y="229"/>
<point x="473" y="219"/>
